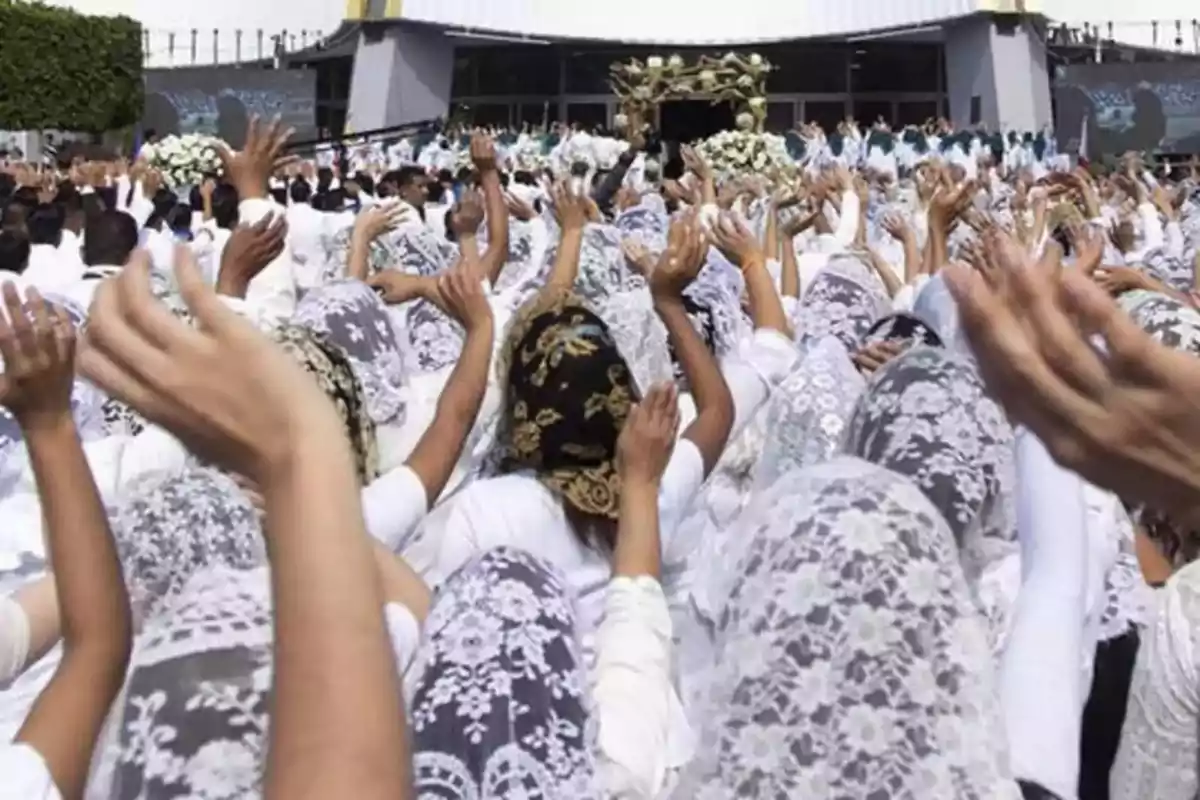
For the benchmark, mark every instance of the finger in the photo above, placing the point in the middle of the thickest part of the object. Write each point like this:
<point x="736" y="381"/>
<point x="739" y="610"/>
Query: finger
<point x="1015" y="370"/>
<point x="1064" y="349"/>
<point x="1130" y="350"/>
<point x="24" y="341"/>
<point x="114" y="380"/>
<point x="208" y="310"/>
<point x="8" y="341"/>
<point x="64" y="334"/>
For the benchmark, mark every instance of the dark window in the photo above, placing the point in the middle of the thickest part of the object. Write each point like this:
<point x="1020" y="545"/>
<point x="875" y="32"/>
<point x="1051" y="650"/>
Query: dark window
<point x="780" y="117"/>
<point x="588" y="115"/>
<point x="489" y="114"/>
<point x="826" y="113"/>
<point x="868" y="112"/>
<point x="463" y="82"/>
<point x="536" y="113"/>
<point x="807" y="69"/>
<point x="895" y="68"/>
<point x="916" y="112"/>
<point x="516" y="70"/>
<point x="976" y="109"/>
<point x="587" y="73"/>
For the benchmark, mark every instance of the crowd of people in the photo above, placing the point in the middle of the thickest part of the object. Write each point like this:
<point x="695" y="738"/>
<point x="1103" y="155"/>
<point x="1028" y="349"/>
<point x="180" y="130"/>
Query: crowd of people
<point x="489" y="481"/>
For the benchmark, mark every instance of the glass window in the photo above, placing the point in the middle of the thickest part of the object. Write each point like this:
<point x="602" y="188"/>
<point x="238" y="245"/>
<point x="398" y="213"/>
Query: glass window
<point x="463" y="82"/>
<point x="780" y="117"/>
<point x="515" y="70"/>
<point x="895" y="68"/>
<point x="809" y="69"/>
<point x="826" y="113"/>
<point x="489" y="114"/>
<point x="588" y="115"/>
<point x="868" y="112"/>
<point x="916" y="112"/>
<point x="587" y="73"/>
<point x="536" y="113"/>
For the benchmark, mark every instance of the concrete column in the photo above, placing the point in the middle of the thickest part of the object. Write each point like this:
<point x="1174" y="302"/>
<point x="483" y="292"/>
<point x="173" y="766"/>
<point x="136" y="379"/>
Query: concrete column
<point x="1002" y="62"/>
<point x="401" y="75"/>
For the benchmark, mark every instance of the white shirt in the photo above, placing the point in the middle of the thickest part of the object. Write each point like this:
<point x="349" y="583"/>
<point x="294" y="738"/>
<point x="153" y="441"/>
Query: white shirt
<point x="50" y="270"/>
<point x="273" y="290"/>
<point x="642" y="732"/>
<point x="26" y="776"/>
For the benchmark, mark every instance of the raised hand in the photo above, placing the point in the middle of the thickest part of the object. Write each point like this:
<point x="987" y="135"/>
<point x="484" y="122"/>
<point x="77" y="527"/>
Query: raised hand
<point x="37" y="342"/>
<point x="1128" y="421"/>
<point x="735" y="241"/>
<point x="224" y="389"/>
<point x="483" y="152"/>
<point x="249" y="250"/>
<point x="680" y="263"/>
<point x="249" y="169"/>
<point x="570" y="208"/>
<point x="648" y="438"/>
<point x="462" y="297"/>
<point x="467" y="215"/>
<point x="373" y="222"/>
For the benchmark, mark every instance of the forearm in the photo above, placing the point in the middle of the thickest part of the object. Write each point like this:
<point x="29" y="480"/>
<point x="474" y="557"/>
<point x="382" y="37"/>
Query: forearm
<point x="765" y="306"/>
<point x="638" y="548"/>
<point x="789" y="281"/>
<point x="497" y="222"/>
<point x="358" y="265"/>
<point x="437" y="452"/>
<point x="93" y="603"/>
<point x="566" y="261"/>
<point x="337" y="717"/>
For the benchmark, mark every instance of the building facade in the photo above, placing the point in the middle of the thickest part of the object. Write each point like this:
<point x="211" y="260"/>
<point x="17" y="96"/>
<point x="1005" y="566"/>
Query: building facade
<point x="534" y="61"/>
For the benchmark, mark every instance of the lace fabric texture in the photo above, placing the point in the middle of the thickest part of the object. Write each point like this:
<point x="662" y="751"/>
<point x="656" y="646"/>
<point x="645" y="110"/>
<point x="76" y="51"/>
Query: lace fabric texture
<point x="851" y="660"/>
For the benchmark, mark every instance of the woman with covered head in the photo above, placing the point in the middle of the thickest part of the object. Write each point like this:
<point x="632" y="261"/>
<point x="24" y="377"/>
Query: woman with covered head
<point x="558" y="492"/>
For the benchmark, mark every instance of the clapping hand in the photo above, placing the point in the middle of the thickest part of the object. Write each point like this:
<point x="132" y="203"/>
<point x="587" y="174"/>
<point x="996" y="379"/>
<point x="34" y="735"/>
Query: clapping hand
<point x="222" y="388"/>
<point x="373" y="222"/>
<point x="250" y="168"/>
<point x="1127" y="421"/>
<point x="37" y="341"/>
<point x="467" y="215"/>
<point x="570" y="207"/>
<point x="735" y="241"/>
<point x="249" y="250"/>
<point x="462" y="297"/>
<point x="646" y="442"/>
<point x="680" y="263"/>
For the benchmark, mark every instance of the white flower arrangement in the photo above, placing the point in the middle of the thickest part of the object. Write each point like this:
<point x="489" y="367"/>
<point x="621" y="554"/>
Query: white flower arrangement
<point x="184" y="161"/>
<point x="746" y="152"/>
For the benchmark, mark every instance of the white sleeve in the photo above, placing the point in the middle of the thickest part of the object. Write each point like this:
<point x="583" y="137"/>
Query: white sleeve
<point x="405" y="634"/>
<point x="847" y="227"/>
<point x="680" y="483"/>
<point x="1152" y="229"/>
<point x="26" y="776"/>
<point x="634" y="700"/>
<point x="1176" y="244"/>
<point x="1041" y="687"/>
<point x="14" y="639"/>
<point x="759" y="364"/>
<point x="274" y="289"/>
<point x="393" y="505"/>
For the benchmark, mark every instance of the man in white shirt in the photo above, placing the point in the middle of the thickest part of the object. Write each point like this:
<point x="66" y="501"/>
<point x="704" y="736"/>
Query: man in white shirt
<point x="109" y="240"/>
<point x="48" y="269"/>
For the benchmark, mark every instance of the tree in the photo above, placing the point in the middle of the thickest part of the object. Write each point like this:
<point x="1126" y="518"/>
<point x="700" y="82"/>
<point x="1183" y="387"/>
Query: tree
<point x="69" y="71"/>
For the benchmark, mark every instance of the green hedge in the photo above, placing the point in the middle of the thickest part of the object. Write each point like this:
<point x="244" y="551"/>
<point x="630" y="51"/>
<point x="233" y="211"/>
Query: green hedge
<point x="69" y="71"/>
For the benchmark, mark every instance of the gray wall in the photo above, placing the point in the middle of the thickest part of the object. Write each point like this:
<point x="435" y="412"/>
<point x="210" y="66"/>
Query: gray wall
<point x="401" y="75"/>
<point x="1004" y="66"/>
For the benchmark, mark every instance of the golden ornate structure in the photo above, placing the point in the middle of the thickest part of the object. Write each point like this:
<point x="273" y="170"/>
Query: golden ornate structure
<point x="734" y="78"/>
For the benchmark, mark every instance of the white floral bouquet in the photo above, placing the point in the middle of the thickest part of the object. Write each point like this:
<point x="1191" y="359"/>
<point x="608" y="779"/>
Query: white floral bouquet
<point x="184" y="161"/>
<point x="746" y="152"/>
